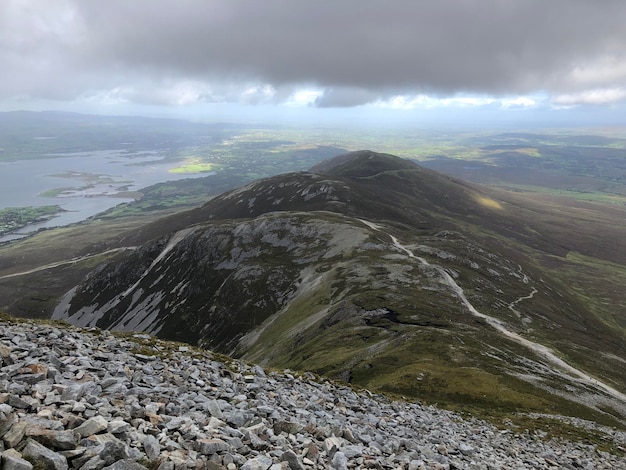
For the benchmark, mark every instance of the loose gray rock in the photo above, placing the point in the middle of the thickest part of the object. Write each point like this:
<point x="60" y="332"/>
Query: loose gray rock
<point x="211" y="446"/>
<point x="15" y="434"/>
<point x="45" y="458"/>
<point x="118" y="426"/>
<point x="58" y="440"/>
<point x="258" y="463"/>
<point x="125" y="464"/>
<point x="113" y="450"/>
<point x="101" y="405"/>
<point x="12" y="460"/>
<point x="151" y="447"/>
<point x="91" y="426"/>
<point x="292" y="459"/>
<point x="340" y="461"/>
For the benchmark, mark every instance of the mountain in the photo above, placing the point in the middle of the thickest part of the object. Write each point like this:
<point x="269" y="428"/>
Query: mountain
<point x="375" y="270"/>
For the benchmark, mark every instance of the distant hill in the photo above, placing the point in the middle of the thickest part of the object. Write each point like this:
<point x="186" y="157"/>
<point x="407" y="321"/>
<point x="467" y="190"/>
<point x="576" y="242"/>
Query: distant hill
<point x="375" y="270"/>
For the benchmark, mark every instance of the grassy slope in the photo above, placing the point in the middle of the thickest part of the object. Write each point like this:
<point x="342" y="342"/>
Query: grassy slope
<point x="437" y="367"/>
<point x="36" y="294"/>
<point x="427" y="353"/>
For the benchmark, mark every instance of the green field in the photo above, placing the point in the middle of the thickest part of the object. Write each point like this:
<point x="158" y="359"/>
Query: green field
<point x="12" y="219"/>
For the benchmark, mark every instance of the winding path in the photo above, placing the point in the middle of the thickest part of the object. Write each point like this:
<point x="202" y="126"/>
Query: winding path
<point x="525" y="297"/>
<point x="540" y="349"/>
<point x="65" y="262"/>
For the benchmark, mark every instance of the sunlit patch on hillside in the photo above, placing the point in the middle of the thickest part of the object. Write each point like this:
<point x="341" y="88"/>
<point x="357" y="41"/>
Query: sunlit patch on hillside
<point x="194" y="165"/>
<point x="529" y="151"/>
<point x="488" y="202"/>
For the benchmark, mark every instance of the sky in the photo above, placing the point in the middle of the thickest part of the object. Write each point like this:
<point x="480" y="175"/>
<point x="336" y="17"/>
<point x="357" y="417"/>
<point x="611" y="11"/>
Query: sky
<point x="550" y="62"/>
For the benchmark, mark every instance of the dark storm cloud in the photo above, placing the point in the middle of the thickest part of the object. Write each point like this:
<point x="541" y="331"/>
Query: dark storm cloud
<point x="344" y="97"/>
<point x="355" y="48"/>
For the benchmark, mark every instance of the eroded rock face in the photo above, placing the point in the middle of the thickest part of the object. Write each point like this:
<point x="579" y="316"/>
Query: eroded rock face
<point x="209" y="284"/>
<point x="91" y="400"/>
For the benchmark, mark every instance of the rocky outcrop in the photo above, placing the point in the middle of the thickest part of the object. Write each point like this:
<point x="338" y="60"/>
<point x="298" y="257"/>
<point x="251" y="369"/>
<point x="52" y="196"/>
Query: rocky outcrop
<point x="210" y="284"/>
<point x="91" y="400"/>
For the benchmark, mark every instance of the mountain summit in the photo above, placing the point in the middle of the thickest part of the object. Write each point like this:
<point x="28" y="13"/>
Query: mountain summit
<point x="375" y="270"/>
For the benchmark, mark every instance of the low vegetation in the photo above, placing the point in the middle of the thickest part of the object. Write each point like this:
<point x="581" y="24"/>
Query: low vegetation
<point x="13" y="219"/>
<point x="194" y="165"/>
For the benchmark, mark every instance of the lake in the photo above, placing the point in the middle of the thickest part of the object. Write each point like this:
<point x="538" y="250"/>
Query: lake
<point x="83" y="184"/>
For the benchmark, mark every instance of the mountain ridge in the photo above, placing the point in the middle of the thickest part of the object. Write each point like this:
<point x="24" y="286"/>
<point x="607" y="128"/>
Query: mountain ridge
<point x="324" y="271"/>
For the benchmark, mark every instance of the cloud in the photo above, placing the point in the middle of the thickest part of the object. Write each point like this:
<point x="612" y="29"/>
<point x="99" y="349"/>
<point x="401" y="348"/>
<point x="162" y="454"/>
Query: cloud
<point x="518" y="102"/>
<point x="342" y="97"/>
<point x="353" y="52"/>
<point x="604" y="71"/>
<point x="592" y="97"/>
<point x="304" y="97"/>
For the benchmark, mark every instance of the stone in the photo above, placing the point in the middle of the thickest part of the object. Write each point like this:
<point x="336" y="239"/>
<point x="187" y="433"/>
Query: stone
<point x="5" y="410"/>
<point x="22" y="403"/>
<point x="45" y="458"/>
<point x="255" y="442"/>
<point x="292" y="459"/>
<point x="261" y="462"/>
<point x="118" y="426"/>
<point x="15" y="434"/>
<point x="332" y="444"/>
<point x="418" y="465"/>
<point x="5" y="351"/>
<point x="113" y="450"/>
<point x="176" y="422"/>
<point x="235" y="442"/>
<point x="151" y="447"/>
<point x="12" y="460"/>
<point x="213" y="466"/>
<point x="94" y="463"/>
<point x="167" y="465"/>
<point x="92" y="426"/>
<point x="59" y="440"/>
<point x="211" y="446"/>
<point x="72" y="454"/>
<point x="340" y="461"/>
<point x="288" y="427"/>
<point x="466" y="449"/>
<point x="214" y="409"/>
<point x="311" y="451"/>
<point x="30" y="379"/>
<point x="236" y="418"/>
<point x="71" y="392"/>
<point x="126" y="464"/>
<point x="7" y="423"/>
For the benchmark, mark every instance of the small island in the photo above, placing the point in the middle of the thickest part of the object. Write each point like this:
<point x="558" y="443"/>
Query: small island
<point x="15" y="218"/>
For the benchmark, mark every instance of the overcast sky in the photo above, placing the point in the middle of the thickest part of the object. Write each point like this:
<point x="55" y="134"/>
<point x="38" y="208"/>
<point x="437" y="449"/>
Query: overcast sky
<point x="556" y="60"/>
